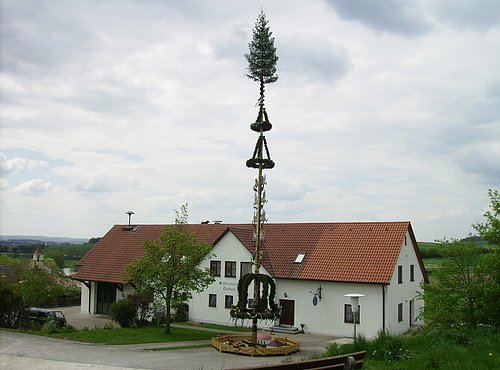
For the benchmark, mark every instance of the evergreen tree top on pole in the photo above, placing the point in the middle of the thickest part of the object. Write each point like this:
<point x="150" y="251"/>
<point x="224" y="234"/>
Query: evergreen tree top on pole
<point x="262" y="56"/>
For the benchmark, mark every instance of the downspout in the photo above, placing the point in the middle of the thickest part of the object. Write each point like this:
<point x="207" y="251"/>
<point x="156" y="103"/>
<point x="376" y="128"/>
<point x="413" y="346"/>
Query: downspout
<point x="90" y="294"/>
<point x="383" y="307"/>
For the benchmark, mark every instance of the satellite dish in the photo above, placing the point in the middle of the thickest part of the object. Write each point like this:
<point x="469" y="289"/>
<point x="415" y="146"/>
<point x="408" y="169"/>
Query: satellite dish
<point x="315" y="301"/>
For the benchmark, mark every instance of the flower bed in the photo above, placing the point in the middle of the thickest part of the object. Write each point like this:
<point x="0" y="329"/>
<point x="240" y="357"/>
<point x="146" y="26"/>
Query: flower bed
<point x="242" y="344"/>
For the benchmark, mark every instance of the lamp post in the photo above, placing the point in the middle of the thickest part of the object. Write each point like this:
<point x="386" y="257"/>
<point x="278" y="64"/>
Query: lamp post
<point x="354" y="307"/>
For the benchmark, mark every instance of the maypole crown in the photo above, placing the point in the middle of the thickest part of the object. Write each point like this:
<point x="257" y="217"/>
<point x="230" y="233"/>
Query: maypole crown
<point x="262" y="123"/>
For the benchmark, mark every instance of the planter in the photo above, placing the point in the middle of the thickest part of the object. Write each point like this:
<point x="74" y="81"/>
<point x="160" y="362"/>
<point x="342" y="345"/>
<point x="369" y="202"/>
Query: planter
<point x="241" y="344"/>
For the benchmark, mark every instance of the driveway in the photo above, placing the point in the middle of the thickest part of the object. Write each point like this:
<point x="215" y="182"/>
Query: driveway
<point x="81" y="320"/>
<point x="24" y="351"/>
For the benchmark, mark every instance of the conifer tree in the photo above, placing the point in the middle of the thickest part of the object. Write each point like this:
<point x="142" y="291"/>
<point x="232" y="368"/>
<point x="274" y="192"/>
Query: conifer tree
<point x="262" y="56"/>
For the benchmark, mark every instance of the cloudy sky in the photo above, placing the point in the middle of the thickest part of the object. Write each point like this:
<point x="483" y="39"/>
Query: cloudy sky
<point x="383" y="111"/>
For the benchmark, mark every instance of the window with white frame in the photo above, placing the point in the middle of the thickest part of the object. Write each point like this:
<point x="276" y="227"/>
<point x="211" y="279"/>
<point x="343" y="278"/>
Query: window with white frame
<point x="230" y="269"/>
<point x="245" y="268"/>
<point x="212" y="300"/>
<point x="228" y="301"/>
<point x="215" y="267"/>
<point x="400" y="312"/>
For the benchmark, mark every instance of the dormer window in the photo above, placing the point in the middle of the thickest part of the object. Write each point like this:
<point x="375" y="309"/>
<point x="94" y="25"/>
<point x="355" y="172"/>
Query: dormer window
<point x="300" y="258"/>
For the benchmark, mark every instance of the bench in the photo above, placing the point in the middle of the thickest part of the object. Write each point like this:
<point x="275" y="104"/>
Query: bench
<point x="349" y="361"/>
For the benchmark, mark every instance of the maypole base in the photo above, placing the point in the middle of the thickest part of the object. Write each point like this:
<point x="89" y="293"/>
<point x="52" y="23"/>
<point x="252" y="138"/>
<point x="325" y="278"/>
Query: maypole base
<point x="241" y="344"/>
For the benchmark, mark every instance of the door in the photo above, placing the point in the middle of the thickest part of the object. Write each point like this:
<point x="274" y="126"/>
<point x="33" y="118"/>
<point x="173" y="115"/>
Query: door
<point x="287" y="312"/>
<point x="412" y="312"/>
<point x="106" y="295"/>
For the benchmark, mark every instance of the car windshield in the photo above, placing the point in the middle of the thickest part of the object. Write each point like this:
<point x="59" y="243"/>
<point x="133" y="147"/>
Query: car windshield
<point x="59" y="314"/>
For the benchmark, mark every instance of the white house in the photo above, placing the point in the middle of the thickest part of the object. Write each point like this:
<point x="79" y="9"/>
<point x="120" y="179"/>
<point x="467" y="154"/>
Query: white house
<point x="313" y="264"/>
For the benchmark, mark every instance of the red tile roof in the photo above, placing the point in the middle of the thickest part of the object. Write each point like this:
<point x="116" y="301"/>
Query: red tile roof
<point x="349" y="252"/>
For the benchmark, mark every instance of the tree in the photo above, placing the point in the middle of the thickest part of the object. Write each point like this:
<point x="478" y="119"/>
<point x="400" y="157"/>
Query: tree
<point x="38" y="287"/>
<point x="490" y="230"/>
<point x="262" y="56"/>
<point x="12" y="305"/>
<point x="170" y="266"/>
<point x="57" y="255"/>
<point x="465" y="290"/>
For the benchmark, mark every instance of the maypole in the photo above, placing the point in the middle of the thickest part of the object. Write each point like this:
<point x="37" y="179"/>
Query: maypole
<point x="262" y="60"/>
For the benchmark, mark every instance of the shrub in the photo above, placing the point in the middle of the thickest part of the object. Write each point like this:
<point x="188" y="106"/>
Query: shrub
<point x="50" y="326"/>
<point x="12" y="307"/>
<point x="142" y="301"/>
<point x="181" y="312"/>
<point x="123" y="312"/>
<point x="388" y="347"/>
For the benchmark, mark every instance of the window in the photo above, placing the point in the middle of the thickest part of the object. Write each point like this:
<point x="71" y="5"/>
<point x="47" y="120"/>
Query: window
<point x="400" y="274"/>
<point x="348" y="315"/>
<point x="215" y="268"/>
<point x="300" y="258"/>
<point x="228" y="301"/>
<point x="412" y="272"/>
<point x="245" y="268"/>
<point x="212" y="300"/>
<point x="400" y="312"/>
<point x="406" y="242"/>
<point x="230" y="269"/>
<point x="250" y="303"/>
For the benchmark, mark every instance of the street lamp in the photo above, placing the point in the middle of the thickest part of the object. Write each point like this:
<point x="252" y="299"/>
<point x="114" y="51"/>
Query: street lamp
<point x="354" y="307"/>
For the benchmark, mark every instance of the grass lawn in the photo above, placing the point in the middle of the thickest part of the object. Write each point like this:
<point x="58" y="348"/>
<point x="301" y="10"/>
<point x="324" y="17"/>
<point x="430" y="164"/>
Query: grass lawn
<point x="150" y="334"/>
<point x="222" y="328"/>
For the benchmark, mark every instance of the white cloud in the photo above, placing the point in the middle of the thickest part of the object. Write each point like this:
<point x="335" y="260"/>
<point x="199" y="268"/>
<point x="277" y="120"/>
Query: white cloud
<point x="34" y="187"/>
<point x="112" y="106"/>
<point x="17" y="164"/>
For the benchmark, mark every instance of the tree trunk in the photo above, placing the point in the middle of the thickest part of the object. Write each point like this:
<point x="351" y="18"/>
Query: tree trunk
<point x="167" y="319"/>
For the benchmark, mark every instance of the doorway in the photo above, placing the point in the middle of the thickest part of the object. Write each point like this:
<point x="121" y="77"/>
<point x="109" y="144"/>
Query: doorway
<point x="106" y="295"/>
<point x="287" y="312"/>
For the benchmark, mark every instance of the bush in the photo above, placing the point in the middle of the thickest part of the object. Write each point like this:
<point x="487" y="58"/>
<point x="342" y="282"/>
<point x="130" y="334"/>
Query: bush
<point x="12" y="307"/>
<point x="142" y="302"/>
<point x="181" y="312"/>
<point x="50" y="327"/>
<point x="389" y="347"/>
<point x="123" y="312"/>
<point x="385" y="347"/>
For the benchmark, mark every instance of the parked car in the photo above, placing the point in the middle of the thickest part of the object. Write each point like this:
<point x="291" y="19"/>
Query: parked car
<point x="43" y="314"/>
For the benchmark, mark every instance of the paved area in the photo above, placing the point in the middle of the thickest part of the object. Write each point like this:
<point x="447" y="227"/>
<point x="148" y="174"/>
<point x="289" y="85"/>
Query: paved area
<point x="81" y="320"/>
<point x="24" y="351"/>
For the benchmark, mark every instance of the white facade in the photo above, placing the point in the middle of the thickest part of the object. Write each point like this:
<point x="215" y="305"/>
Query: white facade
<point x="393" y="307"/>
<point x="88" y="300"/>
<point x="378" y="307"/>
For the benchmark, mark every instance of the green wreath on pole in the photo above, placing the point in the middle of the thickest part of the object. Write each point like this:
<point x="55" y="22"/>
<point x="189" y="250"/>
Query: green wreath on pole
<point x="268" y="309"/>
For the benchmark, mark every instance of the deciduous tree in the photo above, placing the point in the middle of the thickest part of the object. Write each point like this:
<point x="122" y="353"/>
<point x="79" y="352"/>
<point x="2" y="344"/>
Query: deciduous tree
<point x="170" y="266"/>
<point x="490" y="229"/>
<point x="465" y="290"/>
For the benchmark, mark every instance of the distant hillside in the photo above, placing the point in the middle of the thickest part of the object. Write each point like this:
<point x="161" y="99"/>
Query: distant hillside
<point x="31" y="239"/>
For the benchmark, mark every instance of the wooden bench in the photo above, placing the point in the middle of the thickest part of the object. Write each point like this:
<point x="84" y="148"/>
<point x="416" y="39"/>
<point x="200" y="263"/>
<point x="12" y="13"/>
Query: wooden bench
<point x="349" y="361"/>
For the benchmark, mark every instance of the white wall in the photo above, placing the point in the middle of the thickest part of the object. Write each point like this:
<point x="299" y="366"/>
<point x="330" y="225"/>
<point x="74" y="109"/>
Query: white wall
<point x="405" y="292"/>
<point x="85" y="297"/>
<point x="199" y="310"/>
<point x="327" y="317"/>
